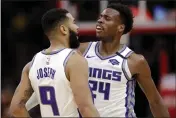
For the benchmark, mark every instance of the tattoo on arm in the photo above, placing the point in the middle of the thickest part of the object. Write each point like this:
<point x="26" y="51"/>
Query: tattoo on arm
<point x="27" y="94"/>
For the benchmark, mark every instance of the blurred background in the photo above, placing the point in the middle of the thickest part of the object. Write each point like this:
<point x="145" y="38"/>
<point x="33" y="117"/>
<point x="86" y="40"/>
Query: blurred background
<point x="153" y="35"/>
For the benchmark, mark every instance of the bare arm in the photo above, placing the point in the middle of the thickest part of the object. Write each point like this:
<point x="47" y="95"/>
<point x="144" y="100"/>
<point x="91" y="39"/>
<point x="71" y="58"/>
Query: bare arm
<point x="21" y="95"/>
<point x="147" y="85"/>
<point x="77" y="72"/>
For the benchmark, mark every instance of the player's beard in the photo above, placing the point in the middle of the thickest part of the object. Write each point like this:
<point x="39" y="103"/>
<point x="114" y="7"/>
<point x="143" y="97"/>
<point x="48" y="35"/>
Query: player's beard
<point x="73" y="40"/>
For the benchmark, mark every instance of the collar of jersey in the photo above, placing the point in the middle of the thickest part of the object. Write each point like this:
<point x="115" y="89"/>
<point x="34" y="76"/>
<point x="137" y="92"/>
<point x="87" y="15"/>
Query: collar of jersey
<point x="97" y="52"/>
<point x="53" y="52"/>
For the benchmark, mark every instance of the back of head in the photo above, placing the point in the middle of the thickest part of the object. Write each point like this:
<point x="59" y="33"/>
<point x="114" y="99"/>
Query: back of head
<point x="59" y="24"/>
<point x="52" y="18"/>
<point x="125" y="14"/>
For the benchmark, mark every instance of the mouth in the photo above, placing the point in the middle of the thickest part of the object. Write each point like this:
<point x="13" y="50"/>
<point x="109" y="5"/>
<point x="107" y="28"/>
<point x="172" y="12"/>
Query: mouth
<point x="99" y="28"/>
<point x="77" y="35"/>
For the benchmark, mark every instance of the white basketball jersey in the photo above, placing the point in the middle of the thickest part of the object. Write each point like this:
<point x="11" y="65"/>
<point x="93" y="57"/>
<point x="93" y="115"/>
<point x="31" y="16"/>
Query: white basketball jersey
<point x="49" y="82"/>
<point x="111" y="82"/>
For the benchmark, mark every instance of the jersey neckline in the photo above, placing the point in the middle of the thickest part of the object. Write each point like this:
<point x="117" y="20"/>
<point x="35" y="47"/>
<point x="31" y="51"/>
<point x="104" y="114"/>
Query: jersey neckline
<point x="53" y="52"/>
<point x="97" y="52"/>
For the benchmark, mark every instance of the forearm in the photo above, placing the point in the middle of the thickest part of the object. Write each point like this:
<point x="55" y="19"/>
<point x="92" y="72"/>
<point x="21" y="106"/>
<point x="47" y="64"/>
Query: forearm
<point x="17" y="107"/>
<point x="19" y="112"/>
<point x="89" y="111"/>
<point x="159" y="110"/>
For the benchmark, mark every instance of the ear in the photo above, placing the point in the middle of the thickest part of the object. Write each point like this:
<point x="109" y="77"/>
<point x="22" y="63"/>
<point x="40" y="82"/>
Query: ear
<point x="63" y="29"/>
<point x="121" y="28"/>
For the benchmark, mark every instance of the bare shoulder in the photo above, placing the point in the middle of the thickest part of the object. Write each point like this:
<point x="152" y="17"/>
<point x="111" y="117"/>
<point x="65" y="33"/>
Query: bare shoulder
<point x="76" y="64"/>
<point x="137" y="58"/>
<point x="76" y="58"/>
<point x="137" y="62"/>
<point x="27" y="67"/>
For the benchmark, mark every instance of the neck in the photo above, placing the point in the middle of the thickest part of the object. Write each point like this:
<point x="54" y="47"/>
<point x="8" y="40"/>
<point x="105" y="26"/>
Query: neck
<point x="57" y="42"/>
<point x="110" y="47"/>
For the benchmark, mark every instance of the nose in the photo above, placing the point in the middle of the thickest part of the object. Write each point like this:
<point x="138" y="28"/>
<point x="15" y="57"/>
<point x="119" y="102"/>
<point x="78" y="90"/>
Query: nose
<point x="77" y="27"/>
<point x="100" y="20"/>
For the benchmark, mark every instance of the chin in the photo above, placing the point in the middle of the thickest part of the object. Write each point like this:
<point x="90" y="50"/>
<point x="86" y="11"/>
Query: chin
<point x="99" y="35"/>
<point x="101" y="38"/>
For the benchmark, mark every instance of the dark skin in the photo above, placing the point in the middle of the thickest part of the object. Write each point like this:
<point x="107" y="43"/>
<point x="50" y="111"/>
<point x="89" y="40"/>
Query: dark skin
<point x="110" y="33"/>
<point x="111" y="25"/>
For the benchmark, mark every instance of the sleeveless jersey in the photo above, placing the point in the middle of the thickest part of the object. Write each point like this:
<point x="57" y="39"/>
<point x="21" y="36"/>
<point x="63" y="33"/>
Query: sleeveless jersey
<point x="111" y="82"/>
<point x="49" y="82"/>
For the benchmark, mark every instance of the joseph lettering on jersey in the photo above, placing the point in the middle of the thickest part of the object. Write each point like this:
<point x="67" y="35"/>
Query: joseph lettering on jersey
<point x="45" y="72"/>
<point x="51" y="85"/>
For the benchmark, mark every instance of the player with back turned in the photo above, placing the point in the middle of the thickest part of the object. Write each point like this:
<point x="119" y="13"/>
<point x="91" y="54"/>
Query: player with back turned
<point x="57" y="75"/>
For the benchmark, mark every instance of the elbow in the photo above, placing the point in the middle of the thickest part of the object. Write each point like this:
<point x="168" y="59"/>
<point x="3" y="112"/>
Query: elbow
<point x="155" y="102"/>
<point x="158" y="108"/>
<point x="86" y="110"/>
<point x="14" y="110"/>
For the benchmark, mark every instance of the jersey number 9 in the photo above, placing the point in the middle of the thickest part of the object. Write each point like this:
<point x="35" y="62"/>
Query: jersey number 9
<point x="47" y="96"/>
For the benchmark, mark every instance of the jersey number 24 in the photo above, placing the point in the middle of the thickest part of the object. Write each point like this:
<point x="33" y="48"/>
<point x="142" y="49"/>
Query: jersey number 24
<point x="103" y="88"/>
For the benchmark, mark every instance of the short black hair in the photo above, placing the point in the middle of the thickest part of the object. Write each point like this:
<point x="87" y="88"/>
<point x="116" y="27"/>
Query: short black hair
<point x="125" y="14"/>
<point x="52" y="17"/>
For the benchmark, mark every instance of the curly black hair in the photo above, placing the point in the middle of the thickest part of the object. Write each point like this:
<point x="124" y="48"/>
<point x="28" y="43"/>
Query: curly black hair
<point x="52" y="17"/>
<point x="125" y="14"/>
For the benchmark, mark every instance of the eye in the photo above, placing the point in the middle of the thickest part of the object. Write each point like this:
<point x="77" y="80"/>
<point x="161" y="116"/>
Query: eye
<point x="107" y="18"/>
<point x="74" y="22"/>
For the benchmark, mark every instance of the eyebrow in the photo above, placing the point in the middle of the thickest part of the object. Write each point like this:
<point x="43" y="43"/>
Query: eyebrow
<point x="105" y="15"/>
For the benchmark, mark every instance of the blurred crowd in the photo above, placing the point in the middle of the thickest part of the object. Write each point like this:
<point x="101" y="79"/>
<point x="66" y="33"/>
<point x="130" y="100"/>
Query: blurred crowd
<point x="22" y="37"/>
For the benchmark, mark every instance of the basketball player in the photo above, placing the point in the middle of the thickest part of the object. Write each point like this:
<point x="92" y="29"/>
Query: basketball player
<point x="115" y="68"/>
<point x="57" y="75"/>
